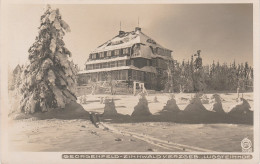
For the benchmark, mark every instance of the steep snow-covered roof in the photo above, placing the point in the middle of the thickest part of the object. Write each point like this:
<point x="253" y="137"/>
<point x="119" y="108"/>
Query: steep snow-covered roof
<point x="127" y="39"/>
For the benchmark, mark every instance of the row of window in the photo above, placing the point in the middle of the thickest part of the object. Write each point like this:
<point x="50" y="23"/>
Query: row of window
<point x="106" y="65"/>
<point x="118" y="75"/>
<point x="104" y="76"/>
<point x="163" y="52"/>
<point x="117" y="52"/>
<point x="126" y="51"/>
<point x="137" y="75"/>
<point x="160" y="63"/>
<point x="142" y="76"/>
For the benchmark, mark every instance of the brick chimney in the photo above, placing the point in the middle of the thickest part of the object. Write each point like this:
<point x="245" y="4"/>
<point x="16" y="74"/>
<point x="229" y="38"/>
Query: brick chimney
<point x="137" y="29"/>
<point x="121" y="32"/>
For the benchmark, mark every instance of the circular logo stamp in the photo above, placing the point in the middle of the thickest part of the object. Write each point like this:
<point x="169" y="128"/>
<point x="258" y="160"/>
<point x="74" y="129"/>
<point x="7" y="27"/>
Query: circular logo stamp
<point x="246" y="144"/>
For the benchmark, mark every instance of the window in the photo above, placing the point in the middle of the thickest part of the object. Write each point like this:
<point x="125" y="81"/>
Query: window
<point x="97" y="66"/>
<point x="136" y="50"/>
<point x="139" y="76"/>
<point x="117" y="52"/>
<point x="148" y="62"/>
<point x="115" y="75"/>
<point x="154" y="62"/>
<point x="119" y="75"/>
<point x="142" y="76"/>
<point x="103" y="76"/>
<point x="94" y="77"/>
<point x="121" y="63"/>
<point x="104" y="65"/>
<point x="101" y="54"/>
<point x="147" y="77"/>
<point x="112" y="64"/>
<point x="123" y="74"/>
<point x="94" y="56"/>
<point x="134" y="75"/>
<point x="125" y="51"/>
<point x="89" y="67"/>
<point x="132" y="62"/>
<point x="109" y="53"/>
<point x="163" y="52"/>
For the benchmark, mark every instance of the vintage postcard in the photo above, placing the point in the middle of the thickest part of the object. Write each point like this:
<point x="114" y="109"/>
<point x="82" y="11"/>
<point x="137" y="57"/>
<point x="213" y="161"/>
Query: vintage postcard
<point x="130" y="81"/>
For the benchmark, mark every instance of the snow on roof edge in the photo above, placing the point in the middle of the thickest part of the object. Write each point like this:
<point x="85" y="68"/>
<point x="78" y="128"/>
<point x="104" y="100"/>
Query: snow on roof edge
<point x="129" y="39"/>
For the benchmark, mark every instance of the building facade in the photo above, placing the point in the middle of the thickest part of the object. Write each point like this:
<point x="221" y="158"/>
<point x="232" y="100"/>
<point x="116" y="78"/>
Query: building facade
<point x="128" y="57"/>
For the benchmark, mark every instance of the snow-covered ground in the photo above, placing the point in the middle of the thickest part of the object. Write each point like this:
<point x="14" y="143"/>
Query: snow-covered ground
<point x="125" y="103"/>
<point x="80" y="135"/>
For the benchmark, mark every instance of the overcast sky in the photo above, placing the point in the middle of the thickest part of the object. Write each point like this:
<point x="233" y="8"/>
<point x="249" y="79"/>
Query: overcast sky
<point x="222" y="32"/>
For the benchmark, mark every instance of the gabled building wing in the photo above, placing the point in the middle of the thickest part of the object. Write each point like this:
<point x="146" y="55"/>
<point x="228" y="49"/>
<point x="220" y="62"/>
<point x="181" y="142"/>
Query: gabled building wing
<point x="129" y="56"/>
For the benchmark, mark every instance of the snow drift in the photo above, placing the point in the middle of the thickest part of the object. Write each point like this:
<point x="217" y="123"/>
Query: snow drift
<point x="110" y="109"/>
<point x="171" y="106"/>
<point x="142" y="109"/>
<point x="195" y="105"/>
<point x="217" y="104"/>
<point x="242" y="107"/>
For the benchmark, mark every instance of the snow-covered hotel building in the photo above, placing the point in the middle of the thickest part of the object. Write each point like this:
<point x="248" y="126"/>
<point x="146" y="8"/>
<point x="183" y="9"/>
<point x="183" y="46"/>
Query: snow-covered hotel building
<point x="129" y="56"/>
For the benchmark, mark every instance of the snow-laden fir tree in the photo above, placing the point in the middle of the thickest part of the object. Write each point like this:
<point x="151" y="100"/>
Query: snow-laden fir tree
<point x="49" y="80"/>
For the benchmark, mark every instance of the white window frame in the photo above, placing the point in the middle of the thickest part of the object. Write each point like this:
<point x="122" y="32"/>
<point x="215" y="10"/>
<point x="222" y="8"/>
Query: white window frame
<point x="97" y="66"/>
<point x="101" y="54"/>
<point x="117" y="52"/>
<point x="104" y="65"/>
<point x="125" y="51"/>
<point x="109" y="53"/>
<point x="94" y="56"/>
<point x="121" y="63"/>
<point x="112" y="64"/>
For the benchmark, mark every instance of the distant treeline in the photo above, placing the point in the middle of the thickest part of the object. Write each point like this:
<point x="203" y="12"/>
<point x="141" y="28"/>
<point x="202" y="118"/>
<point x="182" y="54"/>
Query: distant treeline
<point x="192" y="76"/>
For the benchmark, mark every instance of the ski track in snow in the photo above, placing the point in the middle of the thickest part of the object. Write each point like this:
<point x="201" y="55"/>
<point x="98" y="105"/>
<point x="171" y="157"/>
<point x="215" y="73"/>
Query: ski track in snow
<point x="157" y="142"/>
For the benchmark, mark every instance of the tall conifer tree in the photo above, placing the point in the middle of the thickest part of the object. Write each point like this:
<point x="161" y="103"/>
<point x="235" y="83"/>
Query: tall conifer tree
<point x="49" y="80"/>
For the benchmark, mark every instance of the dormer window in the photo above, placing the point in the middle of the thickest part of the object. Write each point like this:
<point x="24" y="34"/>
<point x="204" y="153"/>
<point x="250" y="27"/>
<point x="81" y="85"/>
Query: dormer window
<point x="117" y="52"/>
<point x="94" y="56"/>
<point x="125" y="51"/>
<point x="101" y="55"/>
<point x="109" y="53"/>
